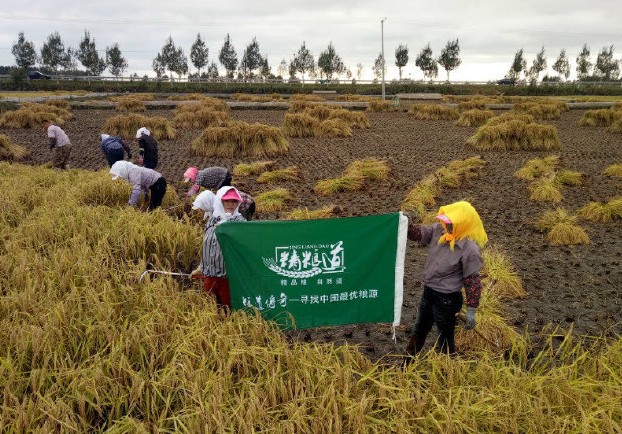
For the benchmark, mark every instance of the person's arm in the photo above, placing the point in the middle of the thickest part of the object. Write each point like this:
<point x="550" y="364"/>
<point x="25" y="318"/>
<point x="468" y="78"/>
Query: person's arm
<point x="414" y="231"/>
<point x="193" y="190"/>
<point x="126" y="147"/>
<point x="52" y="142"/>
<point x="473" y="289"/>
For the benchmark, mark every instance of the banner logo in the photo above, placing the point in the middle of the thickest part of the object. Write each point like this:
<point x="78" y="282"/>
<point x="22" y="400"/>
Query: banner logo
<point x="303" y="261"/>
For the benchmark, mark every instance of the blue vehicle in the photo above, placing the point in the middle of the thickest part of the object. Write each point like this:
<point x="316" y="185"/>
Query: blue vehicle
<point x="36" y="75"/>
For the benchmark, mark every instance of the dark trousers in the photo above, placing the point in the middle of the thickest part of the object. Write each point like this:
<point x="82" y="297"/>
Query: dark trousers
<point x="158" y="189"/>
<point x="114" y="155"/>
<point x="440" y="309"/>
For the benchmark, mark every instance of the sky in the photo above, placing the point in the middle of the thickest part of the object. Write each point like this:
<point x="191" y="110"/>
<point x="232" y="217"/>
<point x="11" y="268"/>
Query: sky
<point x="489" y="32"/>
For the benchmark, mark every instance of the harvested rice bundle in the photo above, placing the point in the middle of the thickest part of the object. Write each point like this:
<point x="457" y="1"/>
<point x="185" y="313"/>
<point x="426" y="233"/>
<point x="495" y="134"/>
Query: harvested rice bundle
<point x="356" y="119"/>
<point x="602" y="212"/>
<point x="613" y="170"/>
<point x="201" y="118"/>
<point x="126" y="126"/>
<point x="130" y="104"/>
<point x="10" y="150"/>
<point x="291" y="174"/>
<point x="334" y="185"/>
<point x="300" y="125"/>
<point x="254" y="168"/>
<point x="545" y="189"/>
<point x="507" y="117"/>
<point x="273" y="200"/>
<point x="334" y="128"/>
<point x="60" y="103"/>
<point x="376" y="105"/>
<point x="24" y="118"/>
<point x="257" y="98"/>
<point x="369" y="168"/>
<point x="433" y="112"/>
<point x="562" y="228"/>
<point x="319" y="111"/>
<point x="500" y="277"/>
<point x="515" y="135"/>
<point x="474" y="118"/>
<point x="542" y="111"/>
<point x="538" y="167"/>
<point x="305" y="97"/>
<point x="600" y="118"/>
<point x="307" y="214"/>
<point x="241" y="139"/>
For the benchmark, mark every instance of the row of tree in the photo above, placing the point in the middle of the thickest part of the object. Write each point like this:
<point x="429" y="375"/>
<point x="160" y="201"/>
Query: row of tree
<point x="172" y="58"/>
<point x="606" y="67"/>
<point x="55" y="56"/>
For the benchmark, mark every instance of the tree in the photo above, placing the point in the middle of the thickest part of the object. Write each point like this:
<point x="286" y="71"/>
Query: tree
<point x="450" y="56"/>
<point x="303" y="61"/>
<point x="158" y="65"/>
<point x="518" y="65"/>
<point x="561" y="65"/>
<point x="401" y="57"/>
<point x="115" y="60"/>
<point x="24" y="52"/>
<point x="228" y="57"/>
<point x="330" y="62"/>
<point x="359" y="71"/>
<point x="199" y="54"/>
<point x="606" y="66"/>
<point x="538" y="65"/>
<point x="178" y="63"/>
<point x="282" y="69"/>
<point x="378" y="65"/>
<point x="251" y="59"/>
<point x="426" y="63"/>
<point x="212" y="70"/>
<point x="88" y="56"/>
<point x="54" y="54"/>
<point x="584" y="65"/>
<point x="264" y="68"/>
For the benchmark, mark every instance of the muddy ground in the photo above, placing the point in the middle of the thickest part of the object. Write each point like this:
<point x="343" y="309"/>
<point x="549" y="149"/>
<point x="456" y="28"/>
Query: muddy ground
<point x="578" y="287"/>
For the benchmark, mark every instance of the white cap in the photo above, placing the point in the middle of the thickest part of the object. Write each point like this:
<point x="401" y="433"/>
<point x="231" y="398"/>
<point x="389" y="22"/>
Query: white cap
<point x="105" y="136"/>
<point x="142" y="131"/>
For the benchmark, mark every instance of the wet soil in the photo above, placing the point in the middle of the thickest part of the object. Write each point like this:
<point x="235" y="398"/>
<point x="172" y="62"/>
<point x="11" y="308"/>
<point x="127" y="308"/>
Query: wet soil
<point x="578" y="287"/>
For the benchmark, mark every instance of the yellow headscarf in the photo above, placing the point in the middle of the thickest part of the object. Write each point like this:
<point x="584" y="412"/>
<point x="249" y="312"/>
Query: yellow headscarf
<point x="465" y="222"/>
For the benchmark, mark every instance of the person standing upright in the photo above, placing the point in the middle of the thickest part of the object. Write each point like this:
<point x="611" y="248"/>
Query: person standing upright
<point x="147" y="148"/>
<point x="59" y="144"/>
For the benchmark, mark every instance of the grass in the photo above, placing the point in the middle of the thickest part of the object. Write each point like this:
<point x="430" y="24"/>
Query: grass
<point x="273" y="200"/>
<point x="86" y="348"/>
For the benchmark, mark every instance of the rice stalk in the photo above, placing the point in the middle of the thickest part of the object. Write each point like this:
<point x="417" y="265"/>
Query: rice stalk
<point x="335" y="185"/>
<point x="273" y="200"/>
<point x="433" y="112"/>
<point x="291" y="174"/>
<point x="9" y="150"/>
<point x="254" y="168"/>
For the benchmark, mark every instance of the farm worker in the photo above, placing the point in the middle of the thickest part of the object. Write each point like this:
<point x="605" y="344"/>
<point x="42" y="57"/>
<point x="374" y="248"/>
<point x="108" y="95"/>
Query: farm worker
<point x="142" y="180"/>
<point x="210" y="177"/>
<point x="147" y="148"/>
<point x="205" y="202"/>
<point x="114" y="148"/>
<point x="59" y="144"/>
<point x="454" y="261"/>
<point x="212" y="270"/>
<point x="217" y="177"/>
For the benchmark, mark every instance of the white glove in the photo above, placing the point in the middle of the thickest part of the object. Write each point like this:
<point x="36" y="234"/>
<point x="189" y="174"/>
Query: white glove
<point x="470" y="318"/>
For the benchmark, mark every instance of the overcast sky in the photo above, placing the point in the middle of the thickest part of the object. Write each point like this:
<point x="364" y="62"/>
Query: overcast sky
<point x="490" y="32"/>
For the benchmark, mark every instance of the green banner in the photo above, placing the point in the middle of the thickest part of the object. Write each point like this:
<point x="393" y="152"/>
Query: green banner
<point x="314" y="273"/>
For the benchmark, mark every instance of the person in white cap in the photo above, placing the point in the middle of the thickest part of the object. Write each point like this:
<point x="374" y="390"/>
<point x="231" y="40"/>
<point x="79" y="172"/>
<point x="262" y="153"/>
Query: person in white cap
<point x="114" y="148"/>
<point x="147" y="148"/>
<point x="142" y="180"/>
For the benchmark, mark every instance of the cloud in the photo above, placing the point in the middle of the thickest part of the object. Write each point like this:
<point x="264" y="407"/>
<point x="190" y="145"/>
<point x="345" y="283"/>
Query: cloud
<point x="489" y="32"/>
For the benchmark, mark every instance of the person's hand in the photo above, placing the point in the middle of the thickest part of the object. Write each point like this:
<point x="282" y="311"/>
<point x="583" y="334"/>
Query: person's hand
<point x="195" y="272"/>
<point x="470" y="318"/>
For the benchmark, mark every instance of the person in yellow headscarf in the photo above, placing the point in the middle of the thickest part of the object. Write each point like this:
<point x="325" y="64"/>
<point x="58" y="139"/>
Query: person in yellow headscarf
<point x="454" y="262"/>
